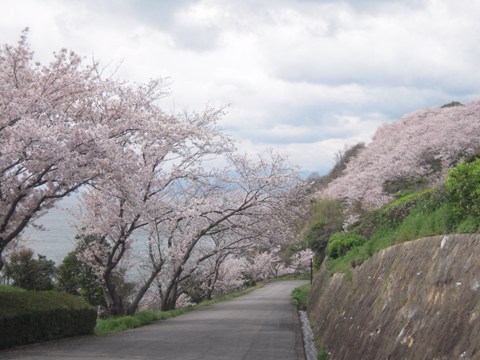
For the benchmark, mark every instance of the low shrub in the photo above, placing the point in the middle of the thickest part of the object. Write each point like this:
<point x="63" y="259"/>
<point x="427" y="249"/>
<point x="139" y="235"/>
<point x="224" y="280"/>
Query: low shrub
<point x="452" y="208"/>
<point x="299" y="296"/>
<point x="463" y="189"/>
<point x="468" y="225"/>
<point x="10" y="288"/>
<point x="323" y="354"/>
<point x="34" y="316"/>
<point x="409" y="217"/>
<point x="340" y="243"/>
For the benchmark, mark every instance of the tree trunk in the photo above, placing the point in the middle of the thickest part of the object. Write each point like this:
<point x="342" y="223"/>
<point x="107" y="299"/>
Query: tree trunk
<point x="112" y="298"/>
<point x="212" y="282"/>
<point x="170" y="298"/>
<point x="141" y="292"/>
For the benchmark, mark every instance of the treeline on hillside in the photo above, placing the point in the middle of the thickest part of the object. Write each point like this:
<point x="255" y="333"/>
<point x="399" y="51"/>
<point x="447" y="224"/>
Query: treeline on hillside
<point x="419" y="177"/>
<point x="409" y="154"/>
<point x="342" y="157"/>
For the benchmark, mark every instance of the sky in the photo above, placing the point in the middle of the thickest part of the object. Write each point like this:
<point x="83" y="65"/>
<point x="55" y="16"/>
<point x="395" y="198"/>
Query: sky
<point x="305" y="77"/>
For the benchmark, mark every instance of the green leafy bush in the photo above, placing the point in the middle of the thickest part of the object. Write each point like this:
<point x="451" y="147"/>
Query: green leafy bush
<point x="404" y="184"/>
<point x="463" y="190"/>
<point x="323" y="354"/>
<point x="443" y="210"/>
<point x="34" y="316"/>
<point x="469" y="225"/>
<point x="340" y="243"/>
<point x="317" y="240"/>
<point x="299" y="296"/>
<point x="10" y="288"/>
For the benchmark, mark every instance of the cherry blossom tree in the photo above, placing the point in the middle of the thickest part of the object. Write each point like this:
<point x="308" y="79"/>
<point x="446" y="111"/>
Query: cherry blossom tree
<point x="49" y="123"/>
<point x="300" y="262"/>
<point x="270" y="264"/>
<point x="172" y="181"/>
<point x="419" y="148"/>
<point x="265" y="265"/>
<point x="188" y="212"/>
<point x="227" y="276"/>
<point x="222" y="273"/>
<point x="156" y="154"/>
<point x="250" y="206"/>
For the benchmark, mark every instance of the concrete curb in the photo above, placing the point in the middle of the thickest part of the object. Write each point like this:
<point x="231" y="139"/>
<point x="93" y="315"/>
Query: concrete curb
<point x="299" y="345"/>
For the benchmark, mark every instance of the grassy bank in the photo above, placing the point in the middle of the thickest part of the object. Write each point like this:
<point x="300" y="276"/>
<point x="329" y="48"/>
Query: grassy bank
<point x="417" y="224"/>
<point x="9" y="288"/>
<point x="412" y="217"/>
<point x="121" y="323"/>
<point x="416" y="212"/>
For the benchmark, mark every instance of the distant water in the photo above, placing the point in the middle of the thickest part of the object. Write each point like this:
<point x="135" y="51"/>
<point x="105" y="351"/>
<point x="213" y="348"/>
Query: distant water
<point x="57" y="240"/>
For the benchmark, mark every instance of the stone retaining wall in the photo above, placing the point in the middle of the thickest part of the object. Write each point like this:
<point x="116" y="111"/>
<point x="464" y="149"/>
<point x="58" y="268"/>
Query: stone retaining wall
<point x="416" y="300"/>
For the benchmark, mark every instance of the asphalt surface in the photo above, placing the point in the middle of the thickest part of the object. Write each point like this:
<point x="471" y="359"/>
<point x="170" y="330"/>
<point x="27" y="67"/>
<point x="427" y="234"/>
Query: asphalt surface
<point x="261" y="325"/>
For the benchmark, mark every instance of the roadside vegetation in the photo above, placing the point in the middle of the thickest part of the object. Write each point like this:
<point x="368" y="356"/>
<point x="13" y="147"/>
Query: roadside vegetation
<point x="23" y="312"/>
<point x="121" y="323"/>
<point x="299" y="296"/>
<point x="32" y="316"/>
<point x="451" y="207"/>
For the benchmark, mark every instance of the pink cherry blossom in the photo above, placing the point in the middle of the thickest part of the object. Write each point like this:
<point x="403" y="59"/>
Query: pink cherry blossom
<point x="421" y="145"/>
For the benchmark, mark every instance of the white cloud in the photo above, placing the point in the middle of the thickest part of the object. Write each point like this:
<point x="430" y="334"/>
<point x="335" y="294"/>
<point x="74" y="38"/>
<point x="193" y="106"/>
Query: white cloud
<point x="304" y="76"/>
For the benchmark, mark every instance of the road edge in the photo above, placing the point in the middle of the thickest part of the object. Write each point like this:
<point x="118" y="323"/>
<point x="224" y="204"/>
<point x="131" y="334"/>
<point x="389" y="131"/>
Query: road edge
<point x="299" y="344"/>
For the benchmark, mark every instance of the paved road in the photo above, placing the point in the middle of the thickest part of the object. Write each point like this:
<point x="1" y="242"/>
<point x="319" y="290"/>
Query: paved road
<point x="261" y="325"/>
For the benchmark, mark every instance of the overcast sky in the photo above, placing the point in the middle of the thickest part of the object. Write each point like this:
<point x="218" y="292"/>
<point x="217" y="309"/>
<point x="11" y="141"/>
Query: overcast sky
<point x="303" y="76"/>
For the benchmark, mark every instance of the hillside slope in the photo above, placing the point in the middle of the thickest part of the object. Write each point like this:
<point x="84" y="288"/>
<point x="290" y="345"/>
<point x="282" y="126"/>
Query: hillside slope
<point x="416" y="300"/>
<point x="414" y="151"/>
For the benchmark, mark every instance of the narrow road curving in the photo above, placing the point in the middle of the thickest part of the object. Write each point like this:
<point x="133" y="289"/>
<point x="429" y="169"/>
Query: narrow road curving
<point x="261" y="325"/>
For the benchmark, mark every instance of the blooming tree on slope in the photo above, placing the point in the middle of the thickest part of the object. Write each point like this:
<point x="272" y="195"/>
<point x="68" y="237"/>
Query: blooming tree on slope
<point x="421" y="145"/>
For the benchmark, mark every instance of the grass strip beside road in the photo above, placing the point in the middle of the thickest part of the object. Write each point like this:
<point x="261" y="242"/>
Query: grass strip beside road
<point x="121" y="323"/>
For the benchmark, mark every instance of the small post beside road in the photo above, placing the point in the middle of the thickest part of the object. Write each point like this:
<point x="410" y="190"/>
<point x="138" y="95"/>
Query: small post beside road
<point x="311" y="271"/>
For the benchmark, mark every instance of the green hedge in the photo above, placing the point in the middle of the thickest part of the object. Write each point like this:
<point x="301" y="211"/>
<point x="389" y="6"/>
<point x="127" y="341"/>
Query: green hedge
<point x="34" y="316"/>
